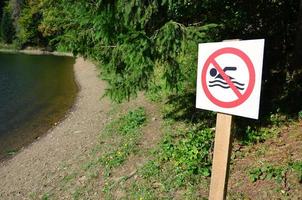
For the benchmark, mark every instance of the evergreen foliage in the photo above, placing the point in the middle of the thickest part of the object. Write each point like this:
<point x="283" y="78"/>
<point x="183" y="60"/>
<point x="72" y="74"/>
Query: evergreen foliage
<point x="129" y="38"/>
<point x="7" y="29"/>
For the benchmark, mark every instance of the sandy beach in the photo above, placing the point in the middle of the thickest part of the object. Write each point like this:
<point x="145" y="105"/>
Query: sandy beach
<point x="37" y="166"/>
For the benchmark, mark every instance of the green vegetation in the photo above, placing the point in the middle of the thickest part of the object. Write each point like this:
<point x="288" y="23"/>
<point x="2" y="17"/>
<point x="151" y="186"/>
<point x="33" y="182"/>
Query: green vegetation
<point x="277" y="173"/>
<point x="190" y="152"/>
<point x="181" y="161"/>
<point x="28" y="25"/>
<point x="128" y="128"/>
<point x="268" y="172"/>
<point x="297" y="168"/>
<point x="7" y="30"/>
<point x="162" y="177"/>
<point x="300" y="115"/>
<point x="176" y="167"/>
<point x="151" y="46"/>
<point x="12" y="152"/>
<point x="46" y="196"/>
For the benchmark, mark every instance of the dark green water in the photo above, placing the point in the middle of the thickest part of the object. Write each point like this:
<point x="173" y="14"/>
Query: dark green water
<point x="35" y="93"/>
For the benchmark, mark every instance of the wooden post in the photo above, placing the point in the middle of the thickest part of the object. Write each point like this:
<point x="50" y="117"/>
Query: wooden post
<point x="222" y="152"/>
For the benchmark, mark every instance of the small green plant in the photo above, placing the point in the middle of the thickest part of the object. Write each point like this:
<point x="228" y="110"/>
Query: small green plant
<point x="268" y="172"/>
<point x="255" y="135"/>
<point x="46" y="196"/>
<point x="300" y="115"/>
<point x="132" y="121"/>
<point x="191" y="153"/>
<point x="297" y="168"/>
<point x="255" y="174"/>
<point x="127" y="124"/>
<point x="277" y="173"/>
<point x="277" y="119"/>
<point x="12" y="152"/>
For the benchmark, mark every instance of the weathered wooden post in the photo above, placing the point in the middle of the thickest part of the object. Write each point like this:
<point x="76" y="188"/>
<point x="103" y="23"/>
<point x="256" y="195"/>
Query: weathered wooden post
<point x="221" y="157"/>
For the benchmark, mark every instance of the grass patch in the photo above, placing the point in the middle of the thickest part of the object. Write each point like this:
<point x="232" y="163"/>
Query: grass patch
<point x="190" y="151"/>
<point x="128" y="128"/>
<point x="249" y="132"/>
<point x="268" y="172"/>
<point x="69" y="177"/>
<point x="254" y="135"/>
<point x="180" y="165"/>
<point x="297" y="168"/>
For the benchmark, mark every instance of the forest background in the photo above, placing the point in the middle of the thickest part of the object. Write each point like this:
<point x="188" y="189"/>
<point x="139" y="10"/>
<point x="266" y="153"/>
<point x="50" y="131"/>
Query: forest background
<point x="138" y="42"/>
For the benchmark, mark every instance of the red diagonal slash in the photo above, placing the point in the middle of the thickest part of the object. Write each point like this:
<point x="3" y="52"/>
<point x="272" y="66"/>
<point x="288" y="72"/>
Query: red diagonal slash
<point x="226" y="78"/>
<point x="212" y="61"/>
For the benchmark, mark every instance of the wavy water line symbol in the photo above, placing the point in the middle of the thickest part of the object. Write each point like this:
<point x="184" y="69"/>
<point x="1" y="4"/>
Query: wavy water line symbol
<point x="224" y="85"/>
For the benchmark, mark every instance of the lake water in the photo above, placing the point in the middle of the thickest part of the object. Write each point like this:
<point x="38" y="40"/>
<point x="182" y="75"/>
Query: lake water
<point x="35" y="93"/>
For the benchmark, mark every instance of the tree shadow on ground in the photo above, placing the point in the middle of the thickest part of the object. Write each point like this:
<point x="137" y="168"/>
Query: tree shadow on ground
<point x="182" y="108"/>
<point x="274" y="110"/>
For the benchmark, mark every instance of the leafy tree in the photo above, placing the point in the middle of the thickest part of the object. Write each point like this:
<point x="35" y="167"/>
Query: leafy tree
<point x="28" y="22"/>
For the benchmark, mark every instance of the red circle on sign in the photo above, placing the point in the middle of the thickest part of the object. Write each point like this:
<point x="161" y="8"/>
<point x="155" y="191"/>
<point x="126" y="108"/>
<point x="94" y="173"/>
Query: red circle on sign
<point x="241" y="97"/>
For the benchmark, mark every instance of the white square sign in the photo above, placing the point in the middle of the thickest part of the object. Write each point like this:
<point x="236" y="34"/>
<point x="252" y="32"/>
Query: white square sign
<point x="229" y="77"/>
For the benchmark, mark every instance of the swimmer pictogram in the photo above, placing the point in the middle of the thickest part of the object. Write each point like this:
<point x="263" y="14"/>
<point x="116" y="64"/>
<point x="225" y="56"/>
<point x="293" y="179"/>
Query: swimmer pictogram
<point x="220" y="82"/>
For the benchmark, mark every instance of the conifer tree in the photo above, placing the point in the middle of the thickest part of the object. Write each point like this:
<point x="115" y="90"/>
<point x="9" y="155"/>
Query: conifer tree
<point x="130" y="38"/>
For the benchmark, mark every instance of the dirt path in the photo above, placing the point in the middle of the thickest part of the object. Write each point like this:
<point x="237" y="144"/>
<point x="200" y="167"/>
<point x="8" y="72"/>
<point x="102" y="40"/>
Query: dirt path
<point x="37" y="167"/>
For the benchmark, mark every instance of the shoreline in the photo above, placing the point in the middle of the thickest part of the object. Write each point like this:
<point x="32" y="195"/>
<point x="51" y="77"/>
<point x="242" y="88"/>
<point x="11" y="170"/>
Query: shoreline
<point x="44" y="130"/>
<point x="38" y="163"/>
<point x="37" y="52"/>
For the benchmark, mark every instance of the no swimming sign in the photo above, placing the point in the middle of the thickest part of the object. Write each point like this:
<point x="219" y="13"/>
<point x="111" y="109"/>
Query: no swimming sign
<point x="229" y="77"/>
